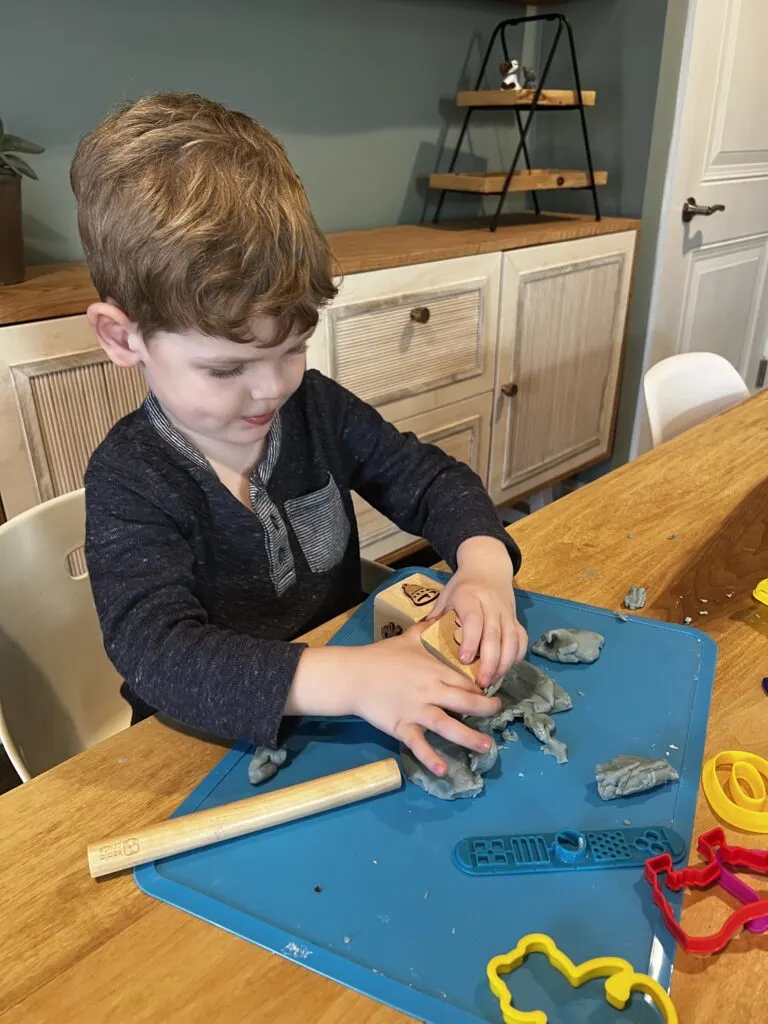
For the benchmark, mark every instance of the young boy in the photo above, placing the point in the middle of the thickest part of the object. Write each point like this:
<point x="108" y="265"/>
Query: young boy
<point x="219" y="518"/>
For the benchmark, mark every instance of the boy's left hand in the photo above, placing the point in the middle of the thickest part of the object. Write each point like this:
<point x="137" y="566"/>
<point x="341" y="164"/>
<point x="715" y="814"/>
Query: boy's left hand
<point x="481" y="594"/>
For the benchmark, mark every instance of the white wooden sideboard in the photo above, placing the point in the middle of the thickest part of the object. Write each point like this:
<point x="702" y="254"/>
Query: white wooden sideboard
<point x="509" y="360"/>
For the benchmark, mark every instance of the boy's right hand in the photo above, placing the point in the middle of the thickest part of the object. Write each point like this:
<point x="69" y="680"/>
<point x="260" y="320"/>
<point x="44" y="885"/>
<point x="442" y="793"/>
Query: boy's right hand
<point x="404" y="690"/>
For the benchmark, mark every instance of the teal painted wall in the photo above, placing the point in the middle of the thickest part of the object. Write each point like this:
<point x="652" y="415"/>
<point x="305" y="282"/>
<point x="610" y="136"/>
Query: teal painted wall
<point x="359" y="90"/>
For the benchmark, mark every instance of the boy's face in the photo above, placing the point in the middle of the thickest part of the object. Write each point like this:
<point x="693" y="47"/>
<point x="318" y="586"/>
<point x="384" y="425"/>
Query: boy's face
<point x="218" y="392"/>
<point x="224" y="391"/>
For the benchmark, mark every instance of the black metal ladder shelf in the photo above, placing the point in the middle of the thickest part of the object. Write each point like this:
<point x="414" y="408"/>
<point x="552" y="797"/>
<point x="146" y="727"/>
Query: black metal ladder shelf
<point x="525" y="179"/>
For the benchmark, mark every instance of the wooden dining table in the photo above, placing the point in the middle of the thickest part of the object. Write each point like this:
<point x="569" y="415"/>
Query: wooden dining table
<point x="689" y="521"/>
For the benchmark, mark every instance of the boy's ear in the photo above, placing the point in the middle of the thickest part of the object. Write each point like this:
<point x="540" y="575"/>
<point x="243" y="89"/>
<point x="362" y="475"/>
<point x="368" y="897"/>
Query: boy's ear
<point x="117" y="334"/>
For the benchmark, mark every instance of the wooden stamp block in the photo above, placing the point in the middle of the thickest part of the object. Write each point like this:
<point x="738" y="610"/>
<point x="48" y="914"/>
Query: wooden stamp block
<point x="443" y="639"/>
<point x="404" y="603"/>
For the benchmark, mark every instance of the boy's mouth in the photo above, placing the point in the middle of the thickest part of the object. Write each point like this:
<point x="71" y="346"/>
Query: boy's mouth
<point x="260" y="421"/>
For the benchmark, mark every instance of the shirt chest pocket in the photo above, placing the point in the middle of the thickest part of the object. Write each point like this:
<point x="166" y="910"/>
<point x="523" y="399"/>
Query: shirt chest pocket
<point x="321" y="526"/>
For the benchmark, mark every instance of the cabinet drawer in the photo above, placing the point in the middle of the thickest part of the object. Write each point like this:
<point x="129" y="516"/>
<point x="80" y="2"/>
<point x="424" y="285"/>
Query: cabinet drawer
<point x="396" y="333"/>
<point x="461" y="430"/>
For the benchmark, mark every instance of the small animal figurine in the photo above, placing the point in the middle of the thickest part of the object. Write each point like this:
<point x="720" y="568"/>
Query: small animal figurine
<point x="390" y="629"/>
<point x="511" y="72"/>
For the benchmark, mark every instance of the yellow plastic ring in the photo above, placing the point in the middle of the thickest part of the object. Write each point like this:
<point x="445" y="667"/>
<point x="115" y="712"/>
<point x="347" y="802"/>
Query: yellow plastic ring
<point x="745" y="805"/>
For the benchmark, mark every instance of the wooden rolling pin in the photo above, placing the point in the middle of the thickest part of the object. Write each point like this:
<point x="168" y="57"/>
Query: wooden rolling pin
<point x="193" y="831"/>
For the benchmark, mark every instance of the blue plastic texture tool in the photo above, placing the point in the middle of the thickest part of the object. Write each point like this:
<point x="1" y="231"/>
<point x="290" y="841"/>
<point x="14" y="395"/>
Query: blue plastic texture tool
<point x="422" y="932"/>
<point x="567" y="850"/>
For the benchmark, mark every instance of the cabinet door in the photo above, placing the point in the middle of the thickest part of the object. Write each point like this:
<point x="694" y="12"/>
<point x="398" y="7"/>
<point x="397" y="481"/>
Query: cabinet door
<point x="59" y="396"/>
<point x="425" y="330"/>
<point x="561" y="332"/>
<point x="461" y="430"/>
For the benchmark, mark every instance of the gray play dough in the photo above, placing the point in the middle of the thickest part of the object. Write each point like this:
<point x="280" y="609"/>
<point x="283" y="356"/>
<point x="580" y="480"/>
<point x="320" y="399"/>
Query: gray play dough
<point x="525" y="693"/>
<point x="265" y="763"/>
<point x="627" y="774"/>
<point x="543" y="729"/>
<point x="465" y="769"/>
<point x="569" y="646"/>
<point x="635" y="598"/>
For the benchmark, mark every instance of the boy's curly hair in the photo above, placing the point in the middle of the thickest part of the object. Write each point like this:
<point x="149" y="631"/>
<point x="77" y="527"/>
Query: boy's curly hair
<point x="192" y="218"/>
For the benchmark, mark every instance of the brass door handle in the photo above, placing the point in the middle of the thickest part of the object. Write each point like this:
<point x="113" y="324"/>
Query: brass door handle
<point x="509" y="390"/>
<point x="420" y="315"/>
<point x="691" y="209"/>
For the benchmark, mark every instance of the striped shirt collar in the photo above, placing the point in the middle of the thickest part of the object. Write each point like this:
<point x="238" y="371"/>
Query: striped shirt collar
<point x="261" y="473"/>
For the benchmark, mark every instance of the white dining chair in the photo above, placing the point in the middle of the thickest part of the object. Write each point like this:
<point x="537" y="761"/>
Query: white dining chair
<point x="688" y="388"/>
<point x="59" y="694"/>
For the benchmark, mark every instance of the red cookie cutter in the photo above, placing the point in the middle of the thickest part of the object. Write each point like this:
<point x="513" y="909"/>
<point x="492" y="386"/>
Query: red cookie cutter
<point x="717" y="853"/>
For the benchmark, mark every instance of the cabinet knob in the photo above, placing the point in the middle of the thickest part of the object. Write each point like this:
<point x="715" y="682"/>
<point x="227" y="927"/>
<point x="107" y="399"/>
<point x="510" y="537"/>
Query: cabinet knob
<point x="420" y="315"/>
<point x="509" y="390"/>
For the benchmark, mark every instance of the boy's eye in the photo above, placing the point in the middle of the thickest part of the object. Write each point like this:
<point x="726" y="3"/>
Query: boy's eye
<point x="234" y="371"/>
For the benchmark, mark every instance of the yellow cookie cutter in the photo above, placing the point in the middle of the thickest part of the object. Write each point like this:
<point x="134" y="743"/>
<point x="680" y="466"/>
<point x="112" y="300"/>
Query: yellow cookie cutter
<point x="761" y="591"/>
<point x="746" y="807"/>
<point x="622" y="979"/>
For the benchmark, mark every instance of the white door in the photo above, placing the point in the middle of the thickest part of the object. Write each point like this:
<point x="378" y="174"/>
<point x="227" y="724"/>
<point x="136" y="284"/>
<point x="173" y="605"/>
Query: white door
<point x="709" y="289"/>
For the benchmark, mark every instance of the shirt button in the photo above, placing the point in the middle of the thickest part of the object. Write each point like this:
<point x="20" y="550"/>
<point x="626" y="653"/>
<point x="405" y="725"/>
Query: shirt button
<point x="282" y="554"/>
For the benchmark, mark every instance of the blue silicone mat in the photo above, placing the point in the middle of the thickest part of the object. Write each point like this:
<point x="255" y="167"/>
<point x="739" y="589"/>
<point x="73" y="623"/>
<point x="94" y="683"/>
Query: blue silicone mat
<point x="394" y="917"/>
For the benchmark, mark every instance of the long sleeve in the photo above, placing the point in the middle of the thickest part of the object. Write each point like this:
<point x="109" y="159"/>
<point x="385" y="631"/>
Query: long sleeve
<point x="158" y="634"/>
<point x="419" y="487"/>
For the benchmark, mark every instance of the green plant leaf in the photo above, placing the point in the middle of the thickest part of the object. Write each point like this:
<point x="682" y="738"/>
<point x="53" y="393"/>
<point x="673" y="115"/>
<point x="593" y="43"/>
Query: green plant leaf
<point x="14" y="144"/>
<point x="19" y="166"/>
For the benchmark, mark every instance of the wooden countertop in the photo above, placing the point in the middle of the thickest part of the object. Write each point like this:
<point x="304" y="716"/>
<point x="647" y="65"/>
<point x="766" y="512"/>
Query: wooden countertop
<point x="75" y="950"/>
<point x="65" y="289"/>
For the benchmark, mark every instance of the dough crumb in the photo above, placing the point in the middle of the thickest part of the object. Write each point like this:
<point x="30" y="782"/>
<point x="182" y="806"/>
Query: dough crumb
<point x="635" y="598"/>
<point x="581" y="693"/>
<point x="347" y="940"/>
<point x="703" y="612"/>
<point x="704" y="600"/>
<point x="627" y="822"/>
<point x="687" y="620"/>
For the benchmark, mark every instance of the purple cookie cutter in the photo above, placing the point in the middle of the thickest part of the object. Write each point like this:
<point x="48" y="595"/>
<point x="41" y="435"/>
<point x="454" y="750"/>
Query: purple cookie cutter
<point x="744" y="893"/>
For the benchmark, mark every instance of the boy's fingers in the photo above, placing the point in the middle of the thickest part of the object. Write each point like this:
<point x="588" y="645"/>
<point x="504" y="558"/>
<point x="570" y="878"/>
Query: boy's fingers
<point x="490" y="651"/>
<point x="456" y="732"/>
<point x="413" y="737"/>
<point x="514" y="643"/>
<point x="452" y="677"/>
<point x="471" y="631"/>
<point x="463" y="703"/>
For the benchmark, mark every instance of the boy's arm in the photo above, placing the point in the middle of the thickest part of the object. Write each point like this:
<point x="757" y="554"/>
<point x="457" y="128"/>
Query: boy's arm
<point x="157" y="633"/>
<point x="419" y="487"/>
<point x="158" y="636"/>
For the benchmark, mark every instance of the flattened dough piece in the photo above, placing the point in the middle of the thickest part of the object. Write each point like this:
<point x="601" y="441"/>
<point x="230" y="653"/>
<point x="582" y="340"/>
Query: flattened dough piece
<point x="265" y="763"/>
<point x="465" y="769"/>
<point x="569" y="646"/>
<point x="627" y="774"/>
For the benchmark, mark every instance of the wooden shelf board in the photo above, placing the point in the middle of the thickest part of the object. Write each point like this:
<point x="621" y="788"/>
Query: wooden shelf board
<point x="523" y="98"/>
<point x="492" y="182"/>
<point x="65" y="289"/>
